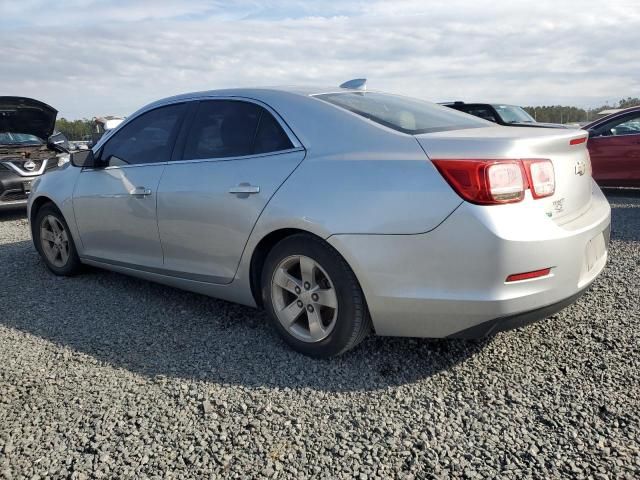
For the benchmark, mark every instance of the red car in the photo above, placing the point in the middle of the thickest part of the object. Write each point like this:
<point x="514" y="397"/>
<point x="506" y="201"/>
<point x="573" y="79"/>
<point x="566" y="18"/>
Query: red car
<point x="614" y="146"/>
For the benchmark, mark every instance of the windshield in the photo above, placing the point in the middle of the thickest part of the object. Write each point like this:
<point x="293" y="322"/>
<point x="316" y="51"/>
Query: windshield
<point x="513" y="114"/>
<point x="404" y="114"/>
<point x="7" y="138"/>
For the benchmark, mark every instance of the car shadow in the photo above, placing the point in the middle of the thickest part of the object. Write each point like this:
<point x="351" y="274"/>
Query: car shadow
<point x="159" y="331"/>
<point x="13" y="213"/>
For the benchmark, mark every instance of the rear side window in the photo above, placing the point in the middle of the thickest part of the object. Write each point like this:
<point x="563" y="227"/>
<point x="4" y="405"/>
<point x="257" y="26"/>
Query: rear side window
<point x="231" y="128"/>
<point x="148" y="138"/>
<point x="270" y="136"/>
<point x="404" y="114"/>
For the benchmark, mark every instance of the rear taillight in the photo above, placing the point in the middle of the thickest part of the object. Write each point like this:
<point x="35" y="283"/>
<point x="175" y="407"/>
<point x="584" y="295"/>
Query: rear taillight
<point x="542" y="179"/>
<point x="505" y="181"/>
<point x="493" y="182"/>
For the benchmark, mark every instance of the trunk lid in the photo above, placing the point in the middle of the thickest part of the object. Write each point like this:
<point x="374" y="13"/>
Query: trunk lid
<point x="571" y="162"/>
<point x="27" y="116"/>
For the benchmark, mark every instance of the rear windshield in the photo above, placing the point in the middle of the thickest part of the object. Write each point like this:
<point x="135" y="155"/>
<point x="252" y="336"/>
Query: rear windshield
<point x="407" y="115"/>
<point x="513" y="114"/>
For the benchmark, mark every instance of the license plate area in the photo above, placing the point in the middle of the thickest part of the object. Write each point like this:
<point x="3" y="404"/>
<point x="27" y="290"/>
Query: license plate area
<point x="595" y="250"/>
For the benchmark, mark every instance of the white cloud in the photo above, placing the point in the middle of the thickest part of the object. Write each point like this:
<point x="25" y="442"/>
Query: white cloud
<point x="123" y="56"/>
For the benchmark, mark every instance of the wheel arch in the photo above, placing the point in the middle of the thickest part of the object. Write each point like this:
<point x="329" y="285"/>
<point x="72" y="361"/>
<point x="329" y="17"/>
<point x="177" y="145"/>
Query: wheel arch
<point x="260" y="253"/>
<point x="264" y="246"/>
<point x="37" y="204"/>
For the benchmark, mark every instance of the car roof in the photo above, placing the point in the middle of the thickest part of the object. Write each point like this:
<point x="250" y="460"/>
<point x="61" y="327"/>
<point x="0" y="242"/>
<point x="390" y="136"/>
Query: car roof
<point x="258" y="92"/>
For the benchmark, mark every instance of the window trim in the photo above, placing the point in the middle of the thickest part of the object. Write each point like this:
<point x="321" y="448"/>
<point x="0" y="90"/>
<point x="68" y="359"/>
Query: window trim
<point x="229" y="159"/>
<point x="187" y="118"/>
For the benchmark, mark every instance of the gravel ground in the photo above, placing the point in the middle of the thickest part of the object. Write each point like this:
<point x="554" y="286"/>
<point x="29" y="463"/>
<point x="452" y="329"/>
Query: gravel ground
<point x="104" y="376"/>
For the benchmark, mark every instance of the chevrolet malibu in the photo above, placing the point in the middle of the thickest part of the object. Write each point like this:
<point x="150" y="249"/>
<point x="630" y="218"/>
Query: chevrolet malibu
<point x="340" y="211"/>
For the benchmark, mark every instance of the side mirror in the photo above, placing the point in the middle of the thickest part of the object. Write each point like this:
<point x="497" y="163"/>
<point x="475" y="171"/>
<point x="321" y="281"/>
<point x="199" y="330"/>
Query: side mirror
<point x="59" y="140"/>
<point x="83" y="158"/>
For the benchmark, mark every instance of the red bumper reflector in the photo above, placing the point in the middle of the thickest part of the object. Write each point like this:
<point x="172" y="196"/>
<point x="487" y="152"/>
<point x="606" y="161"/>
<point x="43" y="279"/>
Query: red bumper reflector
<point x="577" y="141"/>
<point x="528" y="275"/>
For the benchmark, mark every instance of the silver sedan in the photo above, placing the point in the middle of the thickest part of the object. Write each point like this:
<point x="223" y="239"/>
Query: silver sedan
<point x="341" y="211"/>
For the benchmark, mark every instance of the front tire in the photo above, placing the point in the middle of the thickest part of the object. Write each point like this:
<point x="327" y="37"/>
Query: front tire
<point x="313" y="297"/>
<point x="54" y="242"/>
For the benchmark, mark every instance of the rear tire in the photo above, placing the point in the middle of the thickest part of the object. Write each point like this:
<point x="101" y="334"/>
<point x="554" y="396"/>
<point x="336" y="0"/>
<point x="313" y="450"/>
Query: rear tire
<point x="313" y="297"/>
<point x="52" y="238"/>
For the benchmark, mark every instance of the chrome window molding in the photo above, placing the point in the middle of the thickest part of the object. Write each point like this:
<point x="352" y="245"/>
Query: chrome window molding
<point x="240" y="157"/>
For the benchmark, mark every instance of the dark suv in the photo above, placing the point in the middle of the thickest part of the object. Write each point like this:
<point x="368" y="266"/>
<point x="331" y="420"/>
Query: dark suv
<point x="28" y="147"/>
<point x="510" y="115"/>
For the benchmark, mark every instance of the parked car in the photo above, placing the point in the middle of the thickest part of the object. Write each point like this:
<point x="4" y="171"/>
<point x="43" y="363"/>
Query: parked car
<point x="28" y="146"/>
<point x="336" y="209"/>
<point x="614" y="146"/>
<point x="509" y="115"/>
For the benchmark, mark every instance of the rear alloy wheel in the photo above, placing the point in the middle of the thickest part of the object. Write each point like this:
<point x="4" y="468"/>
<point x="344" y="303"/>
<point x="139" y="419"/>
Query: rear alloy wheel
<point x="304" y="298"/>
<point x="313" y="297"/>
<point x="54" y="242"/>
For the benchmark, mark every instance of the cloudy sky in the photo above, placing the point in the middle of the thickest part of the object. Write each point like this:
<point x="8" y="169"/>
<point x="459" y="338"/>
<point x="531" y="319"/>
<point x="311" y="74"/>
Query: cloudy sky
<point x="91" y="57"/>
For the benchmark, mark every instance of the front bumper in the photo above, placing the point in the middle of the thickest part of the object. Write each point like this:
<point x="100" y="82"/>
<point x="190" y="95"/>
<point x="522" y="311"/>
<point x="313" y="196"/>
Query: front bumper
<point x="14" y="189"/>
<point x="15" y="183"/>
<point x="451" y="281"/>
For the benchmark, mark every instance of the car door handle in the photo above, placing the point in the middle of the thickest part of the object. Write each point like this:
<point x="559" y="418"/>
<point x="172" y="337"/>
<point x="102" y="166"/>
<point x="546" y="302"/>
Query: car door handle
<point x="140" y="192"/>
<point x="245" y="188"/>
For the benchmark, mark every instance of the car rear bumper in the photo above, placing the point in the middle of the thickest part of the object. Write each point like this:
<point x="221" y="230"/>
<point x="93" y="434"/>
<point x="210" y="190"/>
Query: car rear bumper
<point x="451" y="281"/>
<point x="491" y="327"/>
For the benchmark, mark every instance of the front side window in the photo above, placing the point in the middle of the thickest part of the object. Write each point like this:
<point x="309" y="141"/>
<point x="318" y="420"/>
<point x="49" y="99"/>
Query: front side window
<point x="148" y="138"/>
<point x="407" y="115"/>
<point x="624" y="126"/>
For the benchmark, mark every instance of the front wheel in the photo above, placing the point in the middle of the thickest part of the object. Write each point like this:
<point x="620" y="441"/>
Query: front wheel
<point x="53" y="241"/>
<point x="313" y="297"/>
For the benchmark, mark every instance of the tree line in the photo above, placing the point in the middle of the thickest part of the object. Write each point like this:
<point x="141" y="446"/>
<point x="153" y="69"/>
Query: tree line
<point x="75" y="129"/>
<point x="565" y="114"/>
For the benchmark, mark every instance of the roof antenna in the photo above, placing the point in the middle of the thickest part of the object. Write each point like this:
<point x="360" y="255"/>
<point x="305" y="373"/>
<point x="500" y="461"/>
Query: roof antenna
<point x="355" y="84"/>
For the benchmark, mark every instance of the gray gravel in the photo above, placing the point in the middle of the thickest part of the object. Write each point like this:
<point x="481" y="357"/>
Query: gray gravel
<point x="104" y="376"/>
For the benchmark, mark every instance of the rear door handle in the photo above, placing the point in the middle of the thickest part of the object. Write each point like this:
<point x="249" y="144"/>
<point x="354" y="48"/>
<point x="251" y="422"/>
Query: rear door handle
<point x="140" y="192"/>
<point x="245" y="188"/>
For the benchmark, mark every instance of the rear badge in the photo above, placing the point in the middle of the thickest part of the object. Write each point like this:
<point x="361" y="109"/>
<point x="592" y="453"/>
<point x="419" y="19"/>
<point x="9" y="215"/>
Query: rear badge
<point x="554" y="208"/>
<point x="558" y="205"/>
<point x="580" y="167"/>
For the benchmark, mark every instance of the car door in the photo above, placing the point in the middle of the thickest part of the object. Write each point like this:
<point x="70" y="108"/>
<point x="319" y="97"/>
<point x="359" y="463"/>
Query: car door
<point x="235" y="155"/>
<point x="115" y="202"/>
<point x="615" y="151"/>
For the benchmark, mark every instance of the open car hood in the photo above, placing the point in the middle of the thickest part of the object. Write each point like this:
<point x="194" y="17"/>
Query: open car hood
<point x="26" y="115"/>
